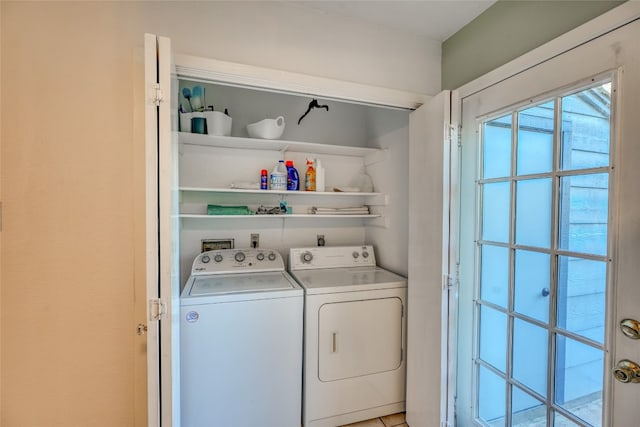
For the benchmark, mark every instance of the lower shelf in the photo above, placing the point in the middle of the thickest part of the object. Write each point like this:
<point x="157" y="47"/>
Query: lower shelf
<point x="284" y="216"/>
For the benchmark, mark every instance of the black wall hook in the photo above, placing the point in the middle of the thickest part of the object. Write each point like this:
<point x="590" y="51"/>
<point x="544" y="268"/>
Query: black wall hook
<point x="313" y="104"/>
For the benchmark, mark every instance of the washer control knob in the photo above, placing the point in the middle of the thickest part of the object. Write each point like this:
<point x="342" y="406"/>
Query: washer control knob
<point x="365" y="254"/>
<point x="260" y="256"/>
<point x="217" y="258"/>
<point x="205" y="259"/>
<point x="306" y="257"/>
<point x="355" y="255"/>
<point x="240" y="256"/>
<point x="271" y="256"/>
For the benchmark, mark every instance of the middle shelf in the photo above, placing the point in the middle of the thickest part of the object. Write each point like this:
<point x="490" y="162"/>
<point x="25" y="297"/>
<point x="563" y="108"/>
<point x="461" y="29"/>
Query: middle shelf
<point x="195" y="199"/>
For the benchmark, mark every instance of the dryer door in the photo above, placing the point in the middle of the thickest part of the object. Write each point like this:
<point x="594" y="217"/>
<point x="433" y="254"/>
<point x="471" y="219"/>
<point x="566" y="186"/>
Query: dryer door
<point x="358" y="338"/>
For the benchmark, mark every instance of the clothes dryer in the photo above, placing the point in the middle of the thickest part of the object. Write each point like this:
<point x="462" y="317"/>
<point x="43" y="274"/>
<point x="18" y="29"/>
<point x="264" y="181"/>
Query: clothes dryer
<point x="240" y="341"/>
<point x="354" y="335"/>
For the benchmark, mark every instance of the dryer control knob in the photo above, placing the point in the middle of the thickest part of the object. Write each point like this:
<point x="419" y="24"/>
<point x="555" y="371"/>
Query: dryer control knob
<point x="205" y="259"/>
<point x="271" y="256"/>
<point x="260" y="256"/>
<point x="306" y="257"/>
<point x="217" y="258"/>
<point x="240" y="256"/>
<point x="365" y="254"/>
<point x="355" y="255"/>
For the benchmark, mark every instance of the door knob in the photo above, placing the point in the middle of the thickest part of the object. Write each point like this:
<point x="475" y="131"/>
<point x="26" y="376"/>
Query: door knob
<point x="627" y="371"/>
<point x="631" y="328"/>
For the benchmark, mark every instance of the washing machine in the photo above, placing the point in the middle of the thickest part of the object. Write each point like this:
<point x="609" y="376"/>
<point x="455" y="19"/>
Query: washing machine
<point x="354" y="335"/>
<point x="240" y="341"/>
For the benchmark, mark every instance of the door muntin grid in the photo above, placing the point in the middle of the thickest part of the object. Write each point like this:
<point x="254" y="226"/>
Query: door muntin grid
<point x="543" y="191"/>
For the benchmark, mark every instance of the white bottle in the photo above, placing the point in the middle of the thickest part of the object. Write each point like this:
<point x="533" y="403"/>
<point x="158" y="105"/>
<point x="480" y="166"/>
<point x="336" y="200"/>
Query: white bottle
<point x="320" y="176"/>
<point x="278" y="177"/>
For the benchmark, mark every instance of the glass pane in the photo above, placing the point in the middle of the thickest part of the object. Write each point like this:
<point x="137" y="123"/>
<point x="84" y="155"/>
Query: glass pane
<point x="530" y="345"/>
<point x="562" y="421"/>
<point x="527" y="411"/>
<point x="535" y="139"/>
<point x="584" y="213"/>
<point x="494" y="279"/>
<point x="582" y="296"/>
<point x="586" y="128"/>
<point x="579" y="379"/>
<point x="532" y="274"/>
<point x="493" y="341"/>
<point x="496" y="148"/>
<point x="491" y="398"/>
<point x="495" y="211"/>
<point x="533" y="212"/>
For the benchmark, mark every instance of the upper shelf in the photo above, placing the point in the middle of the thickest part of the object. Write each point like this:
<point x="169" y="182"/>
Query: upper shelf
<point x="274" y="145"/>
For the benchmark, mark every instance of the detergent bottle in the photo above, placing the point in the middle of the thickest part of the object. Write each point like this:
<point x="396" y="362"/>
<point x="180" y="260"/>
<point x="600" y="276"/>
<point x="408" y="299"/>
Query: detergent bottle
<point x="310" y="177"/>
<point x="293" y="179"/>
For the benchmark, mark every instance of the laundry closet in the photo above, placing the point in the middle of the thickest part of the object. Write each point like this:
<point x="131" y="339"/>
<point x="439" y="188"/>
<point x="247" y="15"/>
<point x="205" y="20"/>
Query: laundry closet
<point x="373" y="148"/>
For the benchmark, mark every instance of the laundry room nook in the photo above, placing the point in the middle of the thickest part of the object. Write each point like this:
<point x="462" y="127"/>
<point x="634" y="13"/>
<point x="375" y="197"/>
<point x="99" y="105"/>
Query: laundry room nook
<point x="259" y="245"/>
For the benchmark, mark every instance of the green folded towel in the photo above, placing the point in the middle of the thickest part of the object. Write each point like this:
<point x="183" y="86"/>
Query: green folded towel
<point x="228" y="210"/>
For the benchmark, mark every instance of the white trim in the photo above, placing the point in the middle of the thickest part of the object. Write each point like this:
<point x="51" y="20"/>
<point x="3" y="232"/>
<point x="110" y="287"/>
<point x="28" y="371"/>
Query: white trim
<point x="615" y="18"/>
<point x="284" y="81"/>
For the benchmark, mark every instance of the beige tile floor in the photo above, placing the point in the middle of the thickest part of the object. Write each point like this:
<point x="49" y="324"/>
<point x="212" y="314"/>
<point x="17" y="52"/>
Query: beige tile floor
<point x="394" y="420"/>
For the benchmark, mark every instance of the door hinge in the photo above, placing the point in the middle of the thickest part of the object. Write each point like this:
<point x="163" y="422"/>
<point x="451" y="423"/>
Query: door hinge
<point x="157" y="309"/>
<point x="454" y="134"/>
<point x="449" y="282"/>
<point x="157" y="96"/>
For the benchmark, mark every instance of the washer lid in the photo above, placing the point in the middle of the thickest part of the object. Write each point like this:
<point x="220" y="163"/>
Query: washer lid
<point x="348" y="279"/>
<point x="220" y="284"/>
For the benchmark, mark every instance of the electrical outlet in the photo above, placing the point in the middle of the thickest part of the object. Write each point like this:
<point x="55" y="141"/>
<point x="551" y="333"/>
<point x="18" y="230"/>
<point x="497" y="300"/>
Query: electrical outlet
<point x="214" y="244"/>
<point x="255" y="240"/>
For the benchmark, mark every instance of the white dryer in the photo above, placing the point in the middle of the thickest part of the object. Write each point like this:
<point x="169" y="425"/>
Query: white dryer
<point x="354" y="335"/>
<point x="240" y="341"/>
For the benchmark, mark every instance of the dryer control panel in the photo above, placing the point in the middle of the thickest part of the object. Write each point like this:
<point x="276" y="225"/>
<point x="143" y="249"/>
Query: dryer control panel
<point x="250" y="260"/>
<point x="331" y="257"/>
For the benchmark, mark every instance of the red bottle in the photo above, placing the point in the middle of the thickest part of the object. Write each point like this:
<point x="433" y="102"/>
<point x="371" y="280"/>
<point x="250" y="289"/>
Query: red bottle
<point x="264" y="179"/>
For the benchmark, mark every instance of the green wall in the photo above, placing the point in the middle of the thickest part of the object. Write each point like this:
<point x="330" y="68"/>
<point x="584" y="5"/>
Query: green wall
<point x="509" y="29"/>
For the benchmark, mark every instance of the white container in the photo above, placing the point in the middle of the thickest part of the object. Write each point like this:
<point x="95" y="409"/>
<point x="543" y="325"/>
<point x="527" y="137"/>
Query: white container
<point x="185" y="122"/>
<point x="278" y="178"/>
<point x="267" y="128"/>
<point x="320" y="176"/>
<point x="218" y="123"/>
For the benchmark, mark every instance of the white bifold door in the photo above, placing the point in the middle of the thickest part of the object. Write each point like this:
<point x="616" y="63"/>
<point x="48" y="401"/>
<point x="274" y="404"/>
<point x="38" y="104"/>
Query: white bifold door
<point x="549" y="241"/>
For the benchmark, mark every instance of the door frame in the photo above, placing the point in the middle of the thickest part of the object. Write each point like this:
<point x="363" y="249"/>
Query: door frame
<point x="160" y="357"/>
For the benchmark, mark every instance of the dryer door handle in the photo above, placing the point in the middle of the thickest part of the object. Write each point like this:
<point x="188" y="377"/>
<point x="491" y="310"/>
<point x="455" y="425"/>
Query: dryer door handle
<point x="334" y="342"/>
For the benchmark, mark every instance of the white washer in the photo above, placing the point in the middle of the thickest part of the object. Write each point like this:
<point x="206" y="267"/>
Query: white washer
<point x="354" y="335"/>
<point x="240" y="341"/>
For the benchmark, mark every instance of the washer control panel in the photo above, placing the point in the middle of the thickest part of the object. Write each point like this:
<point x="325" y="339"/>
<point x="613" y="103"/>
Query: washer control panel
<point x="331" y="257"/>
<point x="248" y="260"/>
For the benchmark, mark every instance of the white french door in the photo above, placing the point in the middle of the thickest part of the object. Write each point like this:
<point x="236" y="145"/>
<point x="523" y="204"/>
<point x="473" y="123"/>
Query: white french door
<point x="548" y="237"/>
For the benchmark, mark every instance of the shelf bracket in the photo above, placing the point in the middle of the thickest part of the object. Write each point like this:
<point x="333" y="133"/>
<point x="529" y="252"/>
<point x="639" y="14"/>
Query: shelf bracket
<point x="376" y="157"/>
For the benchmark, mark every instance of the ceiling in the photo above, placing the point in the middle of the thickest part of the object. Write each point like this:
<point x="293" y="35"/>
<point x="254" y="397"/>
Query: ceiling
<point x="434" y="19"/>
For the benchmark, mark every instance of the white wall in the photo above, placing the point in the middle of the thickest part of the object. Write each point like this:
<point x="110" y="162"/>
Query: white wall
<point x="72" y="267"/>
<point x="291" y="36"/>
